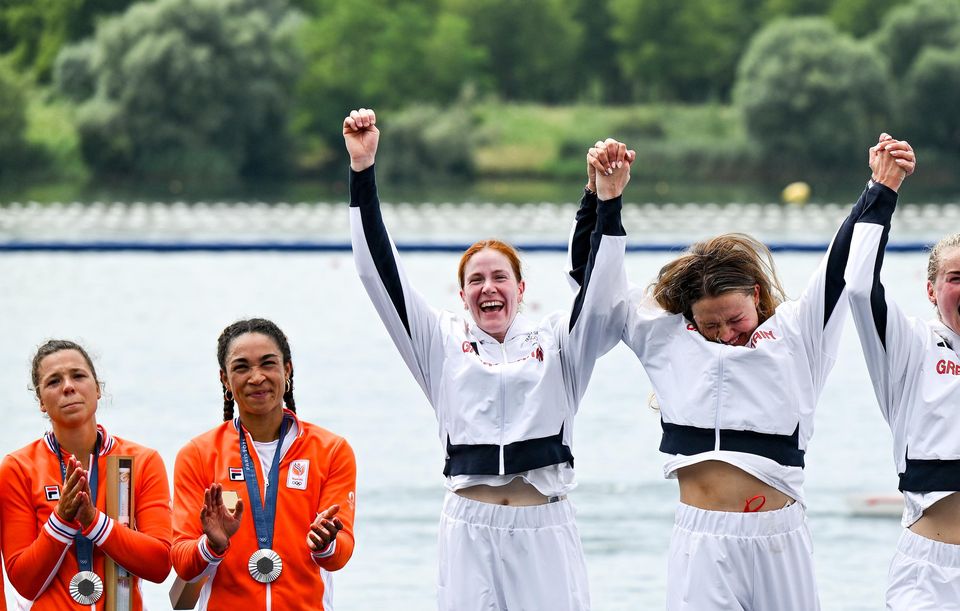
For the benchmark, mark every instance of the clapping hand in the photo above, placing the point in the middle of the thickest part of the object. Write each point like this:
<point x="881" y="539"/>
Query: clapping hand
<point x="323" y="531"/>
<point x="219" y="523"/>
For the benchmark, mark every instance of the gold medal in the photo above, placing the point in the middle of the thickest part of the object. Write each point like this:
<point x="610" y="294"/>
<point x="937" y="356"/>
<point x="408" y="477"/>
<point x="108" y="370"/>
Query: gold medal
<point x="86" y="587"/>
<point x="265" y="565"/>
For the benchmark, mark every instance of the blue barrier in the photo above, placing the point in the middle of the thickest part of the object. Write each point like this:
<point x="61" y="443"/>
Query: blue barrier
<point x="179" y="247"/>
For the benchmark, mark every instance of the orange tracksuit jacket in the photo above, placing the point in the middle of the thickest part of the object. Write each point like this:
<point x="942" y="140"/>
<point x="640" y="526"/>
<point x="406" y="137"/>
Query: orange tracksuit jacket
<point x="38" y="548"/>
<point x="318" y="470"/>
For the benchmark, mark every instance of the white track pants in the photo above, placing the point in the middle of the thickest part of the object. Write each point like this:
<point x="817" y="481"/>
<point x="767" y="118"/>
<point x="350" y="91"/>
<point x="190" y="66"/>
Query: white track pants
<point x="726" y="561"/>
<point x="501" y="558"/>
<point x="924" y="575"/>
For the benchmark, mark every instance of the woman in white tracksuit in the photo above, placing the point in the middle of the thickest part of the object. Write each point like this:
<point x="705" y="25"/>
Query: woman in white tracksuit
<point x="737" y="371"/>
<point x="505" y="390"/>
<point x="915" y="369"/>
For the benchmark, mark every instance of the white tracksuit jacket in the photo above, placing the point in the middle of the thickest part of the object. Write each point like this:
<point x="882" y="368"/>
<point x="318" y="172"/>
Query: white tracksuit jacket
<point x="502" y="408"/>
<point x="914" y="366"/>
<point x="751" y="406"/>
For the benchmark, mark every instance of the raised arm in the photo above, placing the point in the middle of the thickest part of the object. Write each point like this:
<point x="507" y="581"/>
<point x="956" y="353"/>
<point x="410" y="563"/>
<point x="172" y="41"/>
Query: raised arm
<point x="883" y="329"/>
<point x="599" y="309"/>
<point x="602" y="158"/>
<point x="821" y="309"/>
<point x="410" y="321"/>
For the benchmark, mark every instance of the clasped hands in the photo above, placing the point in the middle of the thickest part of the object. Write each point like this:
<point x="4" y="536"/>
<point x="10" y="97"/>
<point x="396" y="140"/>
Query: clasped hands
<point x="608" y="168"/>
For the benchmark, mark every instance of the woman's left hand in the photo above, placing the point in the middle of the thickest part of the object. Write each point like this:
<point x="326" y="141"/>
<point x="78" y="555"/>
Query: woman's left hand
<point x="323" y="531"/>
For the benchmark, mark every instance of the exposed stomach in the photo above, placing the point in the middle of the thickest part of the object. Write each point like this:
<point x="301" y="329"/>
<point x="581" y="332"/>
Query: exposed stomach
<point x="518" y="492"/>
<point x="718" y="486"/>
<point x="941" y="521"/>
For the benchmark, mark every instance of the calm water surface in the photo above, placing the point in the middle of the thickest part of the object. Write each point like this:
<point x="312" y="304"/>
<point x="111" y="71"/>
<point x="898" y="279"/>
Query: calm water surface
<point x="152" y="323"/>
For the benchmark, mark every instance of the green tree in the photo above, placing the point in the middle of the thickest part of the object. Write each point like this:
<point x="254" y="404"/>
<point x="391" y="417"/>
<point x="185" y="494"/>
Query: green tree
<point x="932" y="97"/>
<point x="188" y="89"/>
<point x="599" y="78"/>
<point x="810" y="94"/>
<point x="910" y="28"/>
<point x="381" y="54"/>
<point x="32" y="32"/>
<point x="13" y="122"/>
<point x="685" y="51"/>
<point x="531" y="46"/>
<point x="861" y="17"/>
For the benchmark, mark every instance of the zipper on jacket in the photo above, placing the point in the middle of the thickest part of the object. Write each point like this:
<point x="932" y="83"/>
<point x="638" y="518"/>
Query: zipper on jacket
<point x="503" y="398"/>
<point x="716" y="421"/>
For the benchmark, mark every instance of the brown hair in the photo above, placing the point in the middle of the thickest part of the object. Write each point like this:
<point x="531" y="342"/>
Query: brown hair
<point x="936" y="255"/>
<point x="263" y="327"/>
<point x="52" y="346"/>
<point x="502" y="247"/>
<point x="732" y="262"/>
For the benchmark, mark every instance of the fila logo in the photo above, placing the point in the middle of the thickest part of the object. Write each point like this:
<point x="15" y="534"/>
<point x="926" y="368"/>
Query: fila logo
<point x="236" y="475"/>
<point x="298" y="473"/>
<point x="52" y="493"/>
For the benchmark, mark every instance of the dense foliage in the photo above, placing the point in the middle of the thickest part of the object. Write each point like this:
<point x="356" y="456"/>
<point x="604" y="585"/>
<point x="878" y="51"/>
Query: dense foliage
<point x="226" y="88"/>
<point x="810" y="93"/>
<point x="185" y="89"/>
<point x="12" y="121"/>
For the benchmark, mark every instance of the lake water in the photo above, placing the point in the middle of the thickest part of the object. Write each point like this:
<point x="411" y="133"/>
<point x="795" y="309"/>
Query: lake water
<point x="152" y="321"/>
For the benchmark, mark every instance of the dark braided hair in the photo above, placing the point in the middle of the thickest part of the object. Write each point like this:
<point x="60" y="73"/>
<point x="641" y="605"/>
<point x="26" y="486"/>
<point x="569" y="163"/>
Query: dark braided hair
<point x="52" y="346"/>
<point x="253" y="325"/>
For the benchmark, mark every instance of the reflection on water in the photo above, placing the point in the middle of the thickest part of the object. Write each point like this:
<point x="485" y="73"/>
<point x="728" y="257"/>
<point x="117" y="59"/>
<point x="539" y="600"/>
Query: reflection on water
<point x="152" y="322"/>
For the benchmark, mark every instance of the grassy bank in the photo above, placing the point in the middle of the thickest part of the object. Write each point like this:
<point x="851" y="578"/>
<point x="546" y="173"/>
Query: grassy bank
<point x="551" y="142"/>
<point x="519" y="152"/>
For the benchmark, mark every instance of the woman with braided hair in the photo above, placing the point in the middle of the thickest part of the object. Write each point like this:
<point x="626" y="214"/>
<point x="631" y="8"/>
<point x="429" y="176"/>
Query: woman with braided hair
<point x="275" y="495"/>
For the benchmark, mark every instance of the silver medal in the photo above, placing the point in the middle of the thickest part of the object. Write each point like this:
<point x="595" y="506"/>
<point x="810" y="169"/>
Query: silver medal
<point x="86" y="587"/>
<point x="265" y="565"/>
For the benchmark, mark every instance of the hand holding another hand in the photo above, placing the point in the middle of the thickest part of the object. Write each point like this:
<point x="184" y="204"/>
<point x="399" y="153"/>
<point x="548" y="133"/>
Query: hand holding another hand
<point x="891" y="161"/>
<point x="608" y="165"/>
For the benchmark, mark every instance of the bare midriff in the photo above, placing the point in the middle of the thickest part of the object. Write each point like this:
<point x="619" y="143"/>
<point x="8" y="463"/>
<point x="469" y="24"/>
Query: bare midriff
<point x="941" y="521"/>
<point x="718" y="486"/>
<point x="518" y="493"/>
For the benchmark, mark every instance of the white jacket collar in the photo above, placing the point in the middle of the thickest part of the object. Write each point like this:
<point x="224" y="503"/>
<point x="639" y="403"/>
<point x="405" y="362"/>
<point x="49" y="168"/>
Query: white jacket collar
<point x="949" y="335"/>
<point x="521" y="325"/>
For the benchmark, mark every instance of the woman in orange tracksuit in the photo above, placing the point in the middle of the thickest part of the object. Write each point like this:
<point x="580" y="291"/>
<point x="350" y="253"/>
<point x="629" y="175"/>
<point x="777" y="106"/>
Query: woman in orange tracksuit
<point x="55" y="534"/>
<point x="293" y="483"/>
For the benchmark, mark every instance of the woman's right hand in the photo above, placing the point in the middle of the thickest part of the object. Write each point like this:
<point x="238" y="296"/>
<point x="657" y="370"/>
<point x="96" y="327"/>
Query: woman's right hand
<point x="218" y="522"/>
<point x="362" y="137"/>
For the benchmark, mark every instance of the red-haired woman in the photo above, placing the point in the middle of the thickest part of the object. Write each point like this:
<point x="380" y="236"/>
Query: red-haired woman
<point x="55" y="534"/>
<point x="505" y="390"/>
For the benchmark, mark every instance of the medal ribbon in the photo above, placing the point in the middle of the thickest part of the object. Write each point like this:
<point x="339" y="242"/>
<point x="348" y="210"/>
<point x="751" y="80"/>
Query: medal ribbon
<point x="84" y="546"/>
<point x="263" y="514"/>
